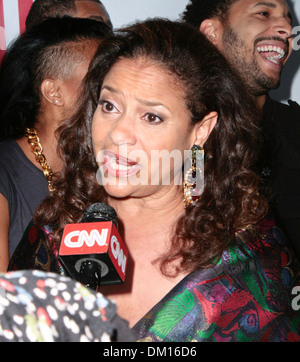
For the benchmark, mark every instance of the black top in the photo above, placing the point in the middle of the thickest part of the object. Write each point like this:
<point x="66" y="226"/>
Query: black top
<point x="23" y="185"/>
<point x="280" y="165"/>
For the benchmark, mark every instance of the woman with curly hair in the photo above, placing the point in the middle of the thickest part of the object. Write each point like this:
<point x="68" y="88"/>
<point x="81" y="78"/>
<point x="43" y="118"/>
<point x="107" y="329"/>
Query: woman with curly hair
<point x="203" y="265"/>
<point x="39" y="79"/>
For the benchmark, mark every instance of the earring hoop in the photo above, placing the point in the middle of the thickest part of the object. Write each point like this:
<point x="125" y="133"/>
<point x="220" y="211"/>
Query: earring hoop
<point x="194" y="176"/>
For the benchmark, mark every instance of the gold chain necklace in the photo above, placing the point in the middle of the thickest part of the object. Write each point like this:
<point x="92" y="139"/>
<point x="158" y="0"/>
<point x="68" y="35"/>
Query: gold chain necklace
<point x="37" y="149"/>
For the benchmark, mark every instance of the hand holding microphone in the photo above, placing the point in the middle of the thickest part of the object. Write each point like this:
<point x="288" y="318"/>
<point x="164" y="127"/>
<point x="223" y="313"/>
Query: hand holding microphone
<point x="92" y="251"/>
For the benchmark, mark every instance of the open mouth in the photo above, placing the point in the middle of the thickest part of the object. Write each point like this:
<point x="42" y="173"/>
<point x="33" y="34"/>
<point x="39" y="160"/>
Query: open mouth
<point x="272" y="53"/>
<point x="117" y="165"/>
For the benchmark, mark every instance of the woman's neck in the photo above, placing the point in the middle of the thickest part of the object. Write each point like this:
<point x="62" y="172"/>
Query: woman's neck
<point x="46" y="134"/>
<point x="150" y="215"/>
<point x="147" y="233"/>
<point x="45" y="129"/>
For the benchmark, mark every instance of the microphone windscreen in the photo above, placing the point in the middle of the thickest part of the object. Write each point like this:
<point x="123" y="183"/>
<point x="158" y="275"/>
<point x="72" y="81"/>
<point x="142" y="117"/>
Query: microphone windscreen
<point x="100" y="212"/>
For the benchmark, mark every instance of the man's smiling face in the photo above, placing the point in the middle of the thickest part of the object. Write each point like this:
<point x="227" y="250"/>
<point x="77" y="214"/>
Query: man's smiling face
<point x="257" y="40"/>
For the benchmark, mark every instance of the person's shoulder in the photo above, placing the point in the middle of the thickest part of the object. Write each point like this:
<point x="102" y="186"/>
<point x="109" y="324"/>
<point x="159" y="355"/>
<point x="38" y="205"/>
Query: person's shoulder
<point x="33" y="250"/>
<point x="8" y="145"/>
<point x="293" y="104"/>
<point x="268" y="248"/>
<point x="10" y="151"/>
<point x="290" y="108"/>
<point x="262" y="241"/>
<point x="8" y="164"/>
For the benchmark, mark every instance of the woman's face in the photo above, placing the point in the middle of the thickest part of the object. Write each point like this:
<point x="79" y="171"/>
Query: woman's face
<point x="140" y="129"/>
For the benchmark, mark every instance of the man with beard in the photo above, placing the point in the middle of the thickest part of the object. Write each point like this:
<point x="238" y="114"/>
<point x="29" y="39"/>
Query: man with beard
<point x="256" y="38"/>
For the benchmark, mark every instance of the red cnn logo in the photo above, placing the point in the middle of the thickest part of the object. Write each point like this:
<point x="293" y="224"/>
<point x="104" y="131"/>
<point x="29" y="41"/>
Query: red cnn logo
<point x="77" y="238"/>
<point x="95" y="238"/>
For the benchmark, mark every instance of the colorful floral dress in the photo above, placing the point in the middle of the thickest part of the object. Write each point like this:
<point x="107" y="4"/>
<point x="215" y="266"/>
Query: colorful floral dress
<point x="247" y="296"/>
<point x="250" y="294"/>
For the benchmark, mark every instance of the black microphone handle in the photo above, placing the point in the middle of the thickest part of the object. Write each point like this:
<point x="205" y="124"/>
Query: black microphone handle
<point x="90" y="273"/>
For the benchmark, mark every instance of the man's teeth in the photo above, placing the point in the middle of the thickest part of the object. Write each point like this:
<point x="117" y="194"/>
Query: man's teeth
<point x="272" y="48"/>
<point x="273" y="60"/>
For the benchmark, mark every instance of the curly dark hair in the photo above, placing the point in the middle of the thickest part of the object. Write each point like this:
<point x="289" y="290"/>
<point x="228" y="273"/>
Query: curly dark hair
<point x="230" y="200"/>
<point x="45" y="51"/>
<point x="198" y="10"/>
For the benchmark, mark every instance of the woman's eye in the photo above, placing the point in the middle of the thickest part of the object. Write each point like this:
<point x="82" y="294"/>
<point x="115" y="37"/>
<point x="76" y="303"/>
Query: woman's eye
<point x="153" y="118"/>
<point x="264" y="13"/>
<point x="107" y="106"/>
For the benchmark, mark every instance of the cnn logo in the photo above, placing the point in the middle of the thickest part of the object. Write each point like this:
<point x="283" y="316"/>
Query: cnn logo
<point x="77" y="238"/>
<point x="118" y="253"/>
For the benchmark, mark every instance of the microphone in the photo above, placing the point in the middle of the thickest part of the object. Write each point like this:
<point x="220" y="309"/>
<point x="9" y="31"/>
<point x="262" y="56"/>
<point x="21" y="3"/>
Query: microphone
<point x="92" y="251"/>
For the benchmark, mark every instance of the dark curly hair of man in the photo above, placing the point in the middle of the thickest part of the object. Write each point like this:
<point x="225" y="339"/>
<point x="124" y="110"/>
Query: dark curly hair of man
<point x="198" y="10"/>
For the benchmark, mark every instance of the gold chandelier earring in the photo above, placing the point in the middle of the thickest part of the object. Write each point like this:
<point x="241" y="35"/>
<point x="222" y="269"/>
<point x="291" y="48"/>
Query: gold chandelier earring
<point x="193" y="175"/>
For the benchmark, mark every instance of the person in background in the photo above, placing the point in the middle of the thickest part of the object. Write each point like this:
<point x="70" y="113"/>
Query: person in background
<point x="204" y="264"/>
<point x="39" y="80"/>
<point x="256" y="38"/>
<point x="43" y="9"/>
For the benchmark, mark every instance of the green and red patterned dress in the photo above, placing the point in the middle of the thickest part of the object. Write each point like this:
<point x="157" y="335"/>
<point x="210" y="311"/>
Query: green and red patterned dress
<point x="251" y="294"/>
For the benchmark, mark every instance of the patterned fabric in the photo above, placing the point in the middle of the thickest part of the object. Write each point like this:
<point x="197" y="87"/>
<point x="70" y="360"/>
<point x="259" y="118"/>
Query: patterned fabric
<point x="36" y="251"/>
<point x="246" y="297"/>
<point x="45" y="307"/>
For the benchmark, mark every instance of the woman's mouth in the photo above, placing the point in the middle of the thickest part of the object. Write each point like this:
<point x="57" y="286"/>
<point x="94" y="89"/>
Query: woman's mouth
<point x="119" y="166"/>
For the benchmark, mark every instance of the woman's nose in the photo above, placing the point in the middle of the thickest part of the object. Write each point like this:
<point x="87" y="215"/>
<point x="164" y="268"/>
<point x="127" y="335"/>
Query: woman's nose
<point x="122" y="131"/>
